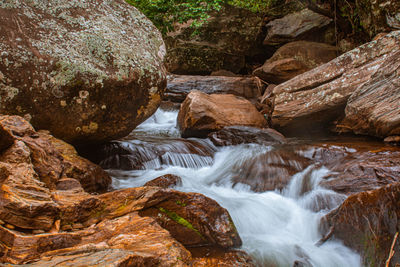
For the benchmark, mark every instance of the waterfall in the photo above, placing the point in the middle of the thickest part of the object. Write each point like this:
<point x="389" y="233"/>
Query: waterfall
<point x="277" y="227"/>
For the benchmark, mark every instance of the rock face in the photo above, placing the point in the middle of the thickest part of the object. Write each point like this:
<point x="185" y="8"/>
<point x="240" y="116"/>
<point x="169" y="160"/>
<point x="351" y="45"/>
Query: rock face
<point x="373" y="109"/>
<point x="80" y="69"/>
<point x="314" y="99"/>
<point x="376" y="16"/>
<point x="179" y="86"/>
<point x="368" y="222"/>
<point x="201" y="114"/>
<point x="46" y="217"/>
<point x="33" y="166"/>
<point x="301" y="25"/>
<point x="223" y="42"/>
<point x="293" y="59"/>
<point x="235" y="135"/>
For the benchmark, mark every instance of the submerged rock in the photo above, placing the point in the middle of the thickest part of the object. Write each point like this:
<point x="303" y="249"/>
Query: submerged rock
<point x="88" y="71"/>
<point x="313" y="100"/>
<point x="293" y="59"/>
<point x="201" y="114"/>
<point x="165" y="181"/>
<point x="179" y="86"/>
<point x="368" y="222"/>
<point x="235" y="135"/>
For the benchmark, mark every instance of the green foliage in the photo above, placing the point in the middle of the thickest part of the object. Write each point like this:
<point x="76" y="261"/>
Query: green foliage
<point x="164" y="13"/>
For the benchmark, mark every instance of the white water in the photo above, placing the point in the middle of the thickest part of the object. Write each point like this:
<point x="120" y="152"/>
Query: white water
<point x="277" y="228"/>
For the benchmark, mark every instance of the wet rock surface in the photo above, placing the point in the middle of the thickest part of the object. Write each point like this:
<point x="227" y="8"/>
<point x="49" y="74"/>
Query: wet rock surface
<point x="235" y="135"/>
<point x="144" y="152"/>
<point x="61" y="61"/>
<point x="313" y="100"/>
<point x="201" y="114"/>
<point x="293" y="59"/>
<point x="165" y="181"/>
<point x="179" y="86"/>
<point x="368" y="222"/>
<point x="47" y="218"/>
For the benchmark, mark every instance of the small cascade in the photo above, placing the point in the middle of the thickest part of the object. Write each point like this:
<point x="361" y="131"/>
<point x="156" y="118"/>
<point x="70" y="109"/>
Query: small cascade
<point x="278" y="226"/>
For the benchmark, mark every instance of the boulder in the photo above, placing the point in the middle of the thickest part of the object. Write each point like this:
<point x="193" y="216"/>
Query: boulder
<point x="313" y="100"/>
<point x="88" y="72"/>
<point x="368" y="222"/>
<point x="373" y="108"/>
<point x="301" y="25"/>
<point x="201" y="114"/>
<point x="235" y="135"/>
<point x="222" y="42"/>
<point x="179" y="86"/>
<point x="293" y="59"/>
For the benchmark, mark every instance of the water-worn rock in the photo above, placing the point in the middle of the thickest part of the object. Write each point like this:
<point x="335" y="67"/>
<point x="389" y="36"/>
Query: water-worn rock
<point x="32" y="167"/>
<point x="293" y="59"/>
<point x="165" y="181"/>
<point x="373" y="109"/>
<point x="312" y="100"/>
<point x="368" y="222"/>
<point x="88" y="71"/>
<point x="201" y="114"/>
<point x="301" y="25"/>
<point x="222" y="42"/>
<point x="235" y="135"/>
<point x="137" y="154"/>
<point x="179" y="86"/>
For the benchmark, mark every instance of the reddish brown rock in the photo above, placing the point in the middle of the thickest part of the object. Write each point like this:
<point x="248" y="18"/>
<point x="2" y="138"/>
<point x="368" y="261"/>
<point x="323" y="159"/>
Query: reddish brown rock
<point x="138" y="236"/>
<point x="179" y="86"/>
<point x="235" y="135"/>
<point x="313" y="100"/>
<point x="201" y="114"/>
<point x="91" y="176"/>
<point x="302" y="25"/>
<point x="368" y="222"/>
<point x="293" y="59"/>
<point x="165" y="181"/>
<point x="31" y="169"/>
<point x="87" y="72"/>
<point x="193" y="219"/>
<point x="216" y="257"/>
<point x="374" y="108"/>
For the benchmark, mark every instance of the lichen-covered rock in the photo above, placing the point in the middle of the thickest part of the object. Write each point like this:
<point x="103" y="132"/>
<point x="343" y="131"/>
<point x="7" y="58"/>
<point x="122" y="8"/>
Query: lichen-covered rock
<point x="374" y="16"/>
<point x="201" y="114"/>
<point x="301" y="25"/>
<point x="293" y="59"/>
<point x="313" y="100"/>
<point x="374" y="108"/>
<point x="223" y="42"/>
<point x="88" y="71"/>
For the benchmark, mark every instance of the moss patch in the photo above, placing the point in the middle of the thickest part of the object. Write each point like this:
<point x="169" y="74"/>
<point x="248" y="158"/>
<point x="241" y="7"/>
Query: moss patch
<point x="182" y="221"/>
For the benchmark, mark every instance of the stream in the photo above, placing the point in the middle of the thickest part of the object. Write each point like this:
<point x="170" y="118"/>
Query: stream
<point x="278" y="227"/>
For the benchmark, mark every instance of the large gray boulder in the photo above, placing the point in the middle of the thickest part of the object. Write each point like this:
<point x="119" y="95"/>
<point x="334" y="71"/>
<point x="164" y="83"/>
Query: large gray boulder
<point x="88" y="71"/>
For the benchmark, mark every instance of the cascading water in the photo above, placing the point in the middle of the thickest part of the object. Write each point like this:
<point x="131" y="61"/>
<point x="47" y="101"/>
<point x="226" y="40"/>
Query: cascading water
<point x="278" y="228"/>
